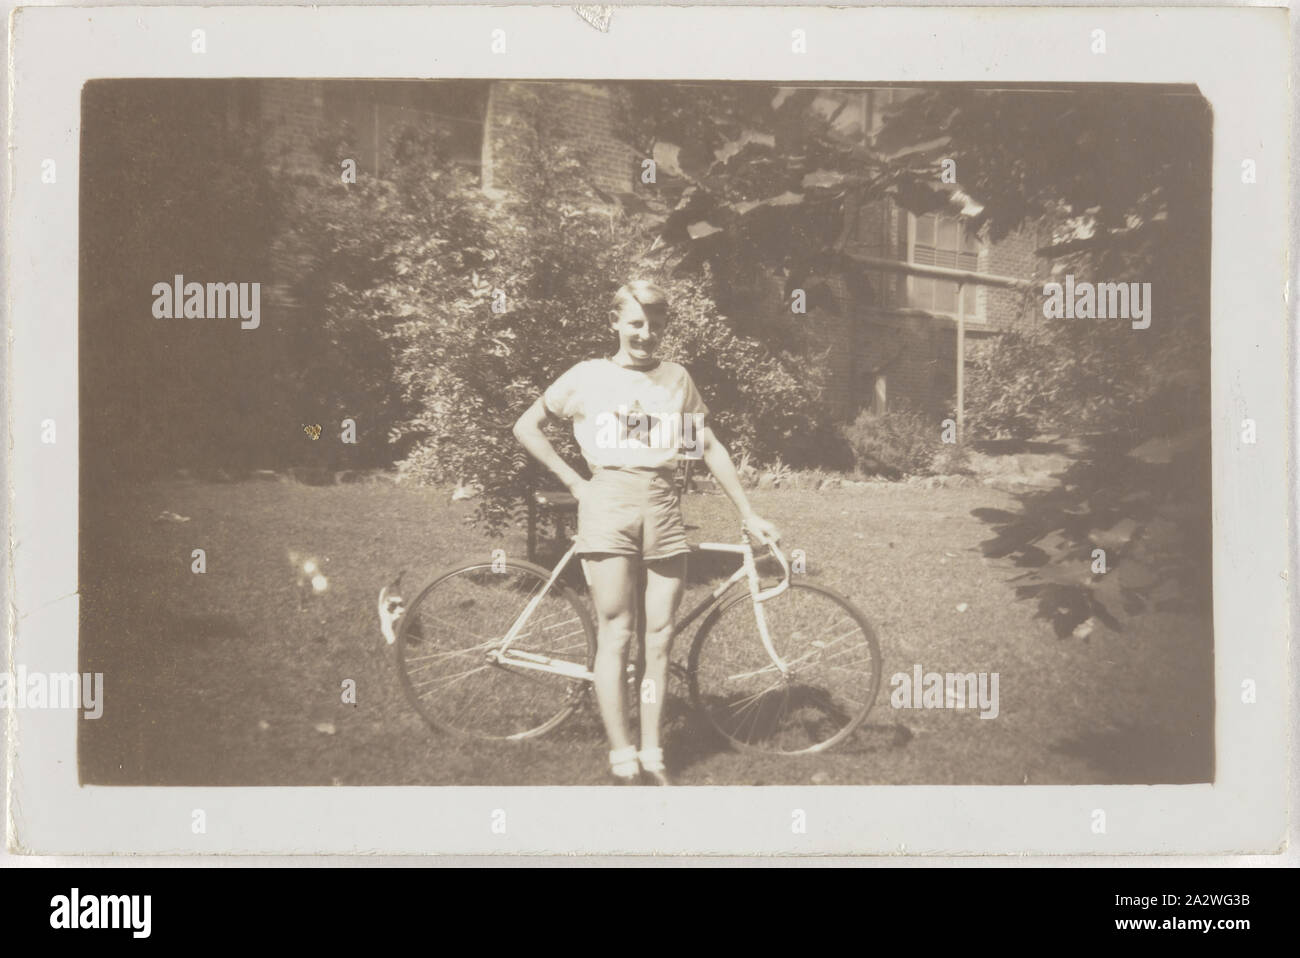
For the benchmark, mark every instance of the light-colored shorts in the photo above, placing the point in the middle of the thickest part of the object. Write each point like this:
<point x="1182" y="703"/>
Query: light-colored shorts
<point x="633" y="512"/>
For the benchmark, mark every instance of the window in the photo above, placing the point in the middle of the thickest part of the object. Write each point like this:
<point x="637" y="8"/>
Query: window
<point x="376" y="109"/>
<point x="939" y="240"/>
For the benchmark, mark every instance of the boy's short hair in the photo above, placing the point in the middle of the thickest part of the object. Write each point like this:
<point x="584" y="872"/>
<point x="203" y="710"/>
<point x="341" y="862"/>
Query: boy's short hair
<point x="641" y="291"/>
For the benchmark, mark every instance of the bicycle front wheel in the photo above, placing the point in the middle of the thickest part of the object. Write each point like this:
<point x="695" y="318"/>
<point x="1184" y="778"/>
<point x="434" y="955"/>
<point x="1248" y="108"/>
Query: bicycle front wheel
<point x="832" y="675"/>
<point x="446" y="635"/>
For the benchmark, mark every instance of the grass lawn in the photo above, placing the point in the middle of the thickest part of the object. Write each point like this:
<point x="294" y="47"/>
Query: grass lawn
<point x="220" y="679"/>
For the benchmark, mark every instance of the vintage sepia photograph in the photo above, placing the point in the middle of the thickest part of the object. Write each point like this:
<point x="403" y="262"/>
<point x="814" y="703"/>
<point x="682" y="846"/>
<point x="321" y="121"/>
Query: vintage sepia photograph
<point x="655" y="433"/>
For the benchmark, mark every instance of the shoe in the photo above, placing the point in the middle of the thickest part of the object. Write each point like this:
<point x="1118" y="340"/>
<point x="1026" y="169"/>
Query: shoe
<point x="656" y="776"/>
<point x="624" y="779"/>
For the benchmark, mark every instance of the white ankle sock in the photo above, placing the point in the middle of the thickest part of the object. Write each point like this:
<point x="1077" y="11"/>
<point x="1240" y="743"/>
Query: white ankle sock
<point x="622" y="761"/>
<point x="652" y="759"/>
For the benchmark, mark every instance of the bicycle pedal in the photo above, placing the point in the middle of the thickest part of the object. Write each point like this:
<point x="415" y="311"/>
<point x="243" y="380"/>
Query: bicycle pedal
<point x="391" y="610"/>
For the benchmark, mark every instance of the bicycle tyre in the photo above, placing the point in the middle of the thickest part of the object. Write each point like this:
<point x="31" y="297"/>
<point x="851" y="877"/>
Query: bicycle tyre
<point x="482" y="600"/>
<point x="728" y="662"/>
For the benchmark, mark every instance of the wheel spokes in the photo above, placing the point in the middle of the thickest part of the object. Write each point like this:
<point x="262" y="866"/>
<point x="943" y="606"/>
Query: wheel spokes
<point x="453" y="626"/>
<point x="831" y="670"/>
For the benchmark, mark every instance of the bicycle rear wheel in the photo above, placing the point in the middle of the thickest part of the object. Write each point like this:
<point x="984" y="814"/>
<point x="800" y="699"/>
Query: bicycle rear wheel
<point x="833" y="662"/>
<point x="446" y="635"/>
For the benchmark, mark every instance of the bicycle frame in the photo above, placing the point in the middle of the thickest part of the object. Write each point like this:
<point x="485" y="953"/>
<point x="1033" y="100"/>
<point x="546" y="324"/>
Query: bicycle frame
<point x="505" y="655"/>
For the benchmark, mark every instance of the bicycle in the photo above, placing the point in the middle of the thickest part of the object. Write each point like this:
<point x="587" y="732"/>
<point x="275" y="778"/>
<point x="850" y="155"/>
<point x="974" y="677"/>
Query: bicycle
<point x="503" y="650"/>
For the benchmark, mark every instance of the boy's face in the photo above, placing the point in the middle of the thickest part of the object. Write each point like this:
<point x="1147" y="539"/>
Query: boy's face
<point x="639" y="328"/>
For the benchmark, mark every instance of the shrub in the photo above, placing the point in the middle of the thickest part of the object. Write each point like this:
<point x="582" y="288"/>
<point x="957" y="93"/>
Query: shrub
<point x="901" y="442"/>
<point x="1086" y="376"/>
<point x="951" y="459"/>
<point x="765" y="395"/>
<point x="1005" y="394"/>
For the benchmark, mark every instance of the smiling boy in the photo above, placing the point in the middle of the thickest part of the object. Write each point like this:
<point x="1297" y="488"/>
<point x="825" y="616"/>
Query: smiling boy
<point x="633" y="416"/>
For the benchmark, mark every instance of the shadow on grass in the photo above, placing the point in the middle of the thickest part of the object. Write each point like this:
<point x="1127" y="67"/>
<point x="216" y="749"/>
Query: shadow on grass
<point x="1138" y="755"/>
<point x="1127" y="528"/>
<point x="690" y="739"/>
<point x="698" y="742"/>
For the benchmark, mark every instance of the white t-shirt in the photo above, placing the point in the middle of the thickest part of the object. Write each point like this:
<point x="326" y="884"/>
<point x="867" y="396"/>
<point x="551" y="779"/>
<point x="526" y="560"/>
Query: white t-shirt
<point x="630" y="417"/>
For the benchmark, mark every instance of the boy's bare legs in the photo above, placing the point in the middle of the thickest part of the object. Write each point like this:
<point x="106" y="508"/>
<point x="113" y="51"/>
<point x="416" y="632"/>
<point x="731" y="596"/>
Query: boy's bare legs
<point x="665" y="581"/>
<point x="613" y="581"/>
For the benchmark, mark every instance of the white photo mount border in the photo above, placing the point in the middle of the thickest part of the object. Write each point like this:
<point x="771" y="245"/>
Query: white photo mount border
<point x="1237" y="57"/>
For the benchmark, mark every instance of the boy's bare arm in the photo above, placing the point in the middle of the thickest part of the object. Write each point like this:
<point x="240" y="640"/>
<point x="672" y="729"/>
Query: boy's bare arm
<point x="719" y="462"/>
<point x="715" y="456"/>
<point x="528" y="430"/>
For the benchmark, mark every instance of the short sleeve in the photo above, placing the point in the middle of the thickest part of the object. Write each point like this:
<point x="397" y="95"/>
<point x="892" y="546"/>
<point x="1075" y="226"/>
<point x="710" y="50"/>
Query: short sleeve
<point x="693" y="403"/>
<point x="561" y="396"/>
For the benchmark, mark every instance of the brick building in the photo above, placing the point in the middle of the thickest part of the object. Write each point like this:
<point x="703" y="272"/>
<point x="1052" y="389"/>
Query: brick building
<point x="888" y="337"/>
<point x="892" y="336"/>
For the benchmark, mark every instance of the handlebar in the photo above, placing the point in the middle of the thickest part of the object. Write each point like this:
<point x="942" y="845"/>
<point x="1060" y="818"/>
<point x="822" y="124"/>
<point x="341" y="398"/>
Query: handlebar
<point x="762" y="595"/>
